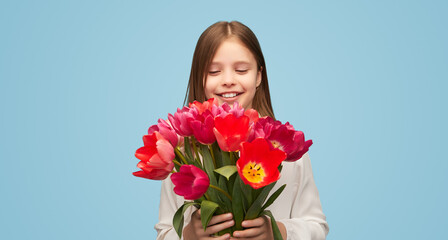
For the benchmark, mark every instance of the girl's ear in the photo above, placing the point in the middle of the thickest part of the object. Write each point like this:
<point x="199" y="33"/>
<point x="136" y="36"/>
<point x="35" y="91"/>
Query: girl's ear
<point x="259" y="76"/>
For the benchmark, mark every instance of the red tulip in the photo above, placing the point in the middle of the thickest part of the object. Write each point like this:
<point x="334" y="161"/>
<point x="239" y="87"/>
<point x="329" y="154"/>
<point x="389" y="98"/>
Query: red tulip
<point x="156" y="157"/>
<point x="207" y="105"/>
<point x="252" y="114"/>
<point x="190" y="182"/>
<point x="258" y="163"/>
<point x="231" y="131"/>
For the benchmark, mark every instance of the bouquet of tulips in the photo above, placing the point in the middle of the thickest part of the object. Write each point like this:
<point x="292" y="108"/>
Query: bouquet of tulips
<point x="222" y="159"/>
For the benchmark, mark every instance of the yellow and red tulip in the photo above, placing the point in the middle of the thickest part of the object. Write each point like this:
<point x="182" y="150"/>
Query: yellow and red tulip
<point x="258" y="163"/>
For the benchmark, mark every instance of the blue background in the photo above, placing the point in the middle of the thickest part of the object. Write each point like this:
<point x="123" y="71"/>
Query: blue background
<point x="81" y="81"/>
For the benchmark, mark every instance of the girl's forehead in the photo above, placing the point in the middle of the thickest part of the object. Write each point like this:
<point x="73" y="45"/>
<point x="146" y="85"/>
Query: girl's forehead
<point x="233" y="51"/>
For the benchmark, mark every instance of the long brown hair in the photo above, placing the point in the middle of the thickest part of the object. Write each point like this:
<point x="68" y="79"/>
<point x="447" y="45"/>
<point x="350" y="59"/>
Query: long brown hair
<point x="208" y="43"/>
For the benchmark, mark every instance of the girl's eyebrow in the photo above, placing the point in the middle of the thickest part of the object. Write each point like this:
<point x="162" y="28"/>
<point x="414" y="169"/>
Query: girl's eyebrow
<point x="235" y="63"/>
<point x="241" y="63"/>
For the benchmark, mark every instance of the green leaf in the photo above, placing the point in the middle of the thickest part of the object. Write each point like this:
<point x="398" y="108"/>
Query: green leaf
<point x="275" y="229"/>
<point x="207" y="210"/>
<point x="222" y="183"/>
<point x="231" y="182"/>
<point x="225" y="156"/>
<point x="273" y="197"/>
<point x="187" y="148"/>
<point x="227" y="171"/>
<point x="255" y="209"/>
<point x="217" y="153"/>
<point x="209" y="169"/>
<point x="237" y="204"/>
<point x="248" y="193"/>
<point x="178" y="219"/>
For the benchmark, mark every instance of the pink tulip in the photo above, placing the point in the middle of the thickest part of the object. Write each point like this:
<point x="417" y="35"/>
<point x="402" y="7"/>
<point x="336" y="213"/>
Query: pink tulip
<point x="156" y="157"/>
<point x="292" y="142"/>
<point x="262" y="128"/>
<point x="190" y="182"/>
<point x="225" y="109"/>
<point x="281" y="136"/>
<point x="202" y="126"/>
<point x="164" y="128"/>
<point x="180" y="121"/>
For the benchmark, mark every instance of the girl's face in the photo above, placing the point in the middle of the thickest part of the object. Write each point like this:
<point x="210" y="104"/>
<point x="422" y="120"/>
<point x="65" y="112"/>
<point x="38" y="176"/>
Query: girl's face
<point x="233" y="74"/>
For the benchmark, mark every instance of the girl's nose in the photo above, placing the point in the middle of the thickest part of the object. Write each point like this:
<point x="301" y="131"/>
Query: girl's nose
<point x="228" y="79"/>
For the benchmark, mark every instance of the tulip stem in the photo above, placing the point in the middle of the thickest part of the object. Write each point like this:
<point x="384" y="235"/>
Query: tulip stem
<point x="207" y="196"/>
<point x="177" y="163"/>
<point x="222" y="191"/>
<point x="179" y="154"/>
<point x="231" y="158"/>
<point x="196" y="154"/>
<point x="213" y="155"/>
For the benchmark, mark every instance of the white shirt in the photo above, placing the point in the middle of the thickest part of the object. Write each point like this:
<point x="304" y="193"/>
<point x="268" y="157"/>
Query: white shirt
<point x="298" y="206"/>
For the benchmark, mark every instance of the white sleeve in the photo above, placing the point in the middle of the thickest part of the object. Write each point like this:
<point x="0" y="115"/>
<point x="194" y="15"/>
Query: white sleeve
<point x="169" y="203"/>
<point x="307" y="220"/>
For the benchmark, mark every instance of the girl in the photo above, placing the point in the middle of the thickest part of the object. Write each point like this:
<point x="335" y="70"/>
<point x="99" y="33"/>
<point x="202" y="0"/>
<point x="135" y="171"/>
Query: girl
<point x="228" y="65"/>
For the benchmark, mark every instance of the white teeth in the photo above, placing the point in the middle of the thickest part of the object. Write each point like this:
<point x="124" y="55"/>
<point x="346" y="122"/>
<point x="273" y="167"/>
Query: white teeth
<point x="229" y="95"/>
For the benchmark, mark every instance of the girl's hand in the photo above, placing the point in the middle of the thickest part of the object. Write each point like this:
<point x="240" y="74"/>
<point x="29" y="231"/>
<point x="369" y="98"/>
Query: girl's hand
<point x="195" y="231"/>
<point x="258" y="228"/>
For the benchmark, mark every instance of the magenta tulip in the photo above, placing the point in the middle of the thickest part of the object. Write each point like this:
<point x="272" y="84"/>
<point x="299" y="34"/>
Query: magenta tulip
<point x="292" y="142"/>
<point x="190" y="182"/>
<point x="180" y="121"/>
<point x="202" y="126"/>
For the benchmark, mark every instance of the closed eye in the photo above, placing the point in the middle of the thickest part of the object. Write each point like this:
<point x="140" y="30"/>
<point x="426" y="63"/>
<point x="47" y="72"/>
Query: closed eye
<point x="241" y="70"/>
<point x="213" y="72"/>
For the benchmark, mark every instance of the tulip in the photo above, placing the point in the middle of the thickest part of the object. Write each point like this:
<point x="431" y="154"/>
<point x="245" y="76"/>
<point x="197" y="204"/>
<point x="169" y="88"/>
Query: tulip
<point x="281" y="136"/>
<point x="252" y="114"/>
<point x="190" y="182"/>
<point x="202" y="126"/>
<point x="231" y="131"/>
<point x="258" y="163"/>
<point x="207" y="105"/>
<point x="225" y="109"/>
<point x="262" y="128"/>
<point x="290" y="141"/>
<point x="164" y="128"/>
<point x="156" y="157"/>
<point x="180" y="121"/>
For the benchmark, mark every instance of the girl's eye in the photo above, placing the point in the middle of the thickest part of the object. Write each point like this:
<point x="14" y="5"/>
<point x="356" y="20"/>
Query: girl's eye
<point x="241" y="70"/>
<point x="213" y="72"/>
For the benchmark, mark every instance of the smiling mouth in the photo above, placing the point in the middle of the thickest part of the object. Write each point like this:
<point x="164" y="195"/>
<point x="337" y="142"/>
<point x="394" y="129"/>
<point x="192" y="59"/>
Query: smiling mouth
<point x="229" y="95"/>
